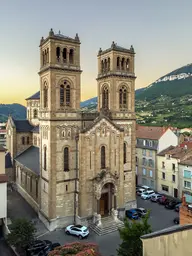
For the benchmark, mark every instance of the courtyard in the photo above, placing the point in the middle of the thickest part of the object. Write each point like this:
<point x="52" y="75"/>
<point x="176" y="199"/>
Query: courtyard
<point x="160" y="218"/>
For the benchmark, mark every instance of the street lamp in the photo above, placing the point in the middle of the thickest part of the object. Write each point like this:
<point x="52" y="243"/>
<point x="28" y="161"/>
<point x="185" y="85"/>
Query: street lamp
<point x="76" y="179"/>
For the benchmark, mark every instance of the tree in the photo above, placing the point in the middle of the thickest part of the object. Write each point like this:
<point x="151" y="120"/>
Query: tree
<point x="22" y="233"/>
<point x="130" y="234"/>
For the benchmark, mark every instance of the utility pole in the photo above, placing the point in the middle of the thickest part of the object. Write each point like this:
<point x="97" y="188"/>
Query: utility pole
<point x="76" y="179"/>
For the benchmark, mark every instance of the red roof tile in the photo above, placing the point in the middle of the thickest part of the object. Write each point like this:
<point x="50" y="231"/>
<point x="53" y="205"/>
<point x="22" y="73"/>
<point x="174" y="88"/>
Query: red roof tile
<point x="150" y="132"/>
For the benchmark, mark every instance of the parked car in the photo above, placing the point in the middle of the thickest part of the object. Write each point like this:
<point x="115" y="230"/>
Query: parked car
<point x="163" y="200"/>
<point x="177" y="207"/>
<point x="146" y="187"/>
<point x="155" y="197"/>
<point x="77" y="230"/>
<point x="176" y="220"/>
<point x="141" y="212"/>
<point x="171" y="204"/>
<point x="147" y="194"/>
<point x="140" y="191"/>
<point x="48" y="248"/>
<point x="38" y="246"/>
<point x="131" y="214"/>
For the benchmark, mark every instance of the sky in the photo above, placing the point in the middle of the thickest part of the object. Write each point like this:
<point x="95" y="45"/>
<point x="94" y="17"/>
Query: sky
<point x="160" y="32"/>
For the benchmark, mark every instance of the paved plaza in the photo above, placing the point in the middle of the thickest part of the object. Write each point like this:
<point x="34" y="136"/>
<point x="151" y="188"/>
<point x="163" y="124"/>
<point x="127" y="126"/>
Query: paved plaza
<point x="160" y="218"/>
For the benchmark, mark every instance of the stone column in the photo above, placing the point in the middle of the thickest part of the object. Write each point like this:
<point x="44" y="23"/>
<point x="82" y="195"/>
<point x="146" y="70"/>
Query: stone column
<point x="115" y="202"/>
<point x="109" y="199"/>
<point x="98" y="206"/>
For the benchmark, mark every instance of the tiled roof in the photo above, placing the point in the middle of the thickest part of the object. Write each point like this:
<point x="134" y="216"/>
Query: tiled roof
<point x="35" y="96"/>
<point x="8" y="162"/>
<point x="35" y="129"/>
<point x="30" y="159"/>
<point x="23" y="125"/>
<point x="165" y="151"/>
<point x="187" y="161"/>
<point x="167" y="231"/>
<point x="149" y="132"/>
<point x="177" y="152"/>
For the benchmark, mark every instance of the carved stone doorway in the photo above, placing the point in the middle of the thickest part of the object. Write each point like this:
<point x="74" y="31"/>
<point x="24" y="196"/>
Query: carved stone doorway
<point x="107" y="200"/>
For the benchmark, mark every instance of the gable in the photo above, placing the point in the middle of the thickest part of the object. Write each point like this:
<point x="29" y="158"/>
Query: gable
<point x="103" y="126"/>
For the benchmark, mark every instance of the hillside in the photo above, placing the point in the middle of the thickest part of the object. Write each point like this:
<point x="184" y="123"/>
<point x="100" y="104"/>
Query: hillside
<point x="167" y="101"/>
<point x="175" y="84"/>
<point x="16" y="110"/>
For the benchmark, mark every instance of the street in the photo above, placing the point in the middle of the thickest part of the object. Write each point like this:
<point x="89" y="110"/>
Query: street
<point x="5" y="250"/>
<point x="160" y="218"/>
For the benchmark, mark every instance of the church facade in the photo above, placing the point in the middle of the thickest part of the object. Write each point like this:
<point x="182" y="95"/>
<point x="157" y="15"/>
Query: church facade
<point x="70" y="165"/>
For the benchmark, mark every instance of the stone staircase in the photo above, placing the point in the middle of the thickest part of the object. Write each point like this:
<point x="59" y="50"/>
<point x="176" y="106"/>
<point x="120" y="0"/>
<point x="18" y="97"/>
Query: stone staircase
<point x="108" y="226"/>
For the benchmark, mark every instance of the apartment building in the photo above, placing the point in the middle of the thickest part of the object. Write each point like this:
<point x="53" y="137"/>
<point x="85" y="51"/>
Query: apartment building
<point x="169" y="170"/>
<point x="150" y="141"/>
<point x="3" y="190"/>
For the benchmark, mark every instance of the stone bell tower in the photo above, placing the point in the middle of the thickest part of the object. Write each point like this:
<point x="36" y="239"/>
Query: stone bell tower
<point x="60" y="86"/>
<point x="116" y="98"/>
<point x="116" y="79"/>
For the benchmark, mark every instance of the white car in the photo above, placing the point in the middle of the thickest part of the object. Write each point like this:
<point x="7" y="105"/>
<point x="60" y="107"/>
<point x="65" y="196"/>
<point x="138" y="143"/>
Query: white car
<point x="147" y="194"/>
<point x="77" y="230"/>
<point x="146" y="187"/>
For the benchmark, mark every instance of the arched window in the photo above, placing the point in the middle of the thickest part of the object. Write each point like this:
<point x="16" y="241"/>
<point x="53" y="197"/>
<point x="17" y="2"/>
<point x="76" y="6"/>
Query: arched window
<point x="65" y="94"/>
<point x="23" y="140"/>
<point x="118" y="62"/>
<point x="28" y="140"/>
<point x="58" y="53"/>
<point x="127" y="65"/>
<point x="45" y="95"/>
<point x="45" y="158"/>
<point x="45" y="60"/>
<point x="105" y="97"/>
<point x="103" y="164"/>
<point x="64" y="55"/>
<point x="66" y="159"/>
<point x="71" y="56"/>
<point x="35" y="141"/>
<point x="109" y="64"/>
<point x="61" y="95"/>
<point x="47" y="55"/>
<point x="123" y="97"/>
<point x="68" y="95"/>
<point x="124" y="153"/>
<point x="105" y="65"/>
<point x="102" y="66"/>
<point x="123" y="63"/>
<point x="35" y="113"/>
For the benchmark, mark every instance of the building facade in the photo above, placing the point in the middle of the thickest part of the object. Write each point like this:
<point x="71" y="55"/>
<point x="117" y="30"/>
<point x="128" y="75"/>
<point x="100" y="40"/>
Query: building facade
<point x="70" y="165"/>
<point x="175" y="241"/>
<point x="3" y="191"/>
<point x="185" y="180"/>
<point x="150" y="141"/>
<point x="169" y="172"/>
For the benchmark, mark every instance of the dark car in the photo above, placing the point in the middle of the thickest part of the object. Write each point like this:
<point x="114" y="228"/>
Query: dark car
<point x="176" y="220"/>
<point x="171" y="205"/>
<point x="39" y="248"/>
<point x="163" y="200"/>
<point x="132" y="214"/>
<point x="141" y="212"/>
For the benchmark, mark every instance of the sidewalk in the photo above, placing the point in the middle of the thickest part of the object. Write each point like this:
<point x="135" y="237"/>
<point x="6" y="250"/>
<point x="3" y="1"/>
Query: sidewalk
<point x="17" y="207"/>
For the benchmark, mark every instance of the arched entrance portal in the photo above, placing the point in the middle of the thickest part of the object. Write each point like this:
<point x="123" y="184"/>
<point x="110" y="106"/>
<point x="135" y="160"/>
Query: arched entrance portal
<point x="107" y="200"/>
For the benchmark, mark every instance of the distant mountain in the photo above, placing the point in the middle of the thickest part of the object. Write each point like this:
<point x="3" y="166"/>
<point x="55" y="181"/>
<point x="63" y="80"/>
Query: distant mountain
<point x="89" y="102"/>
<point x="175" y="84"/>
<point x="16" y="110"/>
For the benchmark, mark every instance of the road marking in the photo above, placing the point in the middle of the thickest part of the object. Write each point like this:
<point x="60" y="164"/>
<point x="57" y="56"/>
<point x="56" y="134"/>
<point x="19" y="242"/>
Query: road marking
<point x="43" y="234"/>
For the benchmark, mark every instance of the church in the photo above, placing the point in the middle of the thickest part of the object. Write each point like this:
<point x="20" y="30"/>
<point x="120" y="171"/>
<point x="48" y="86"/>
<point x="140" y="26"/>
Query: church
<point x="74" y="166"/>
